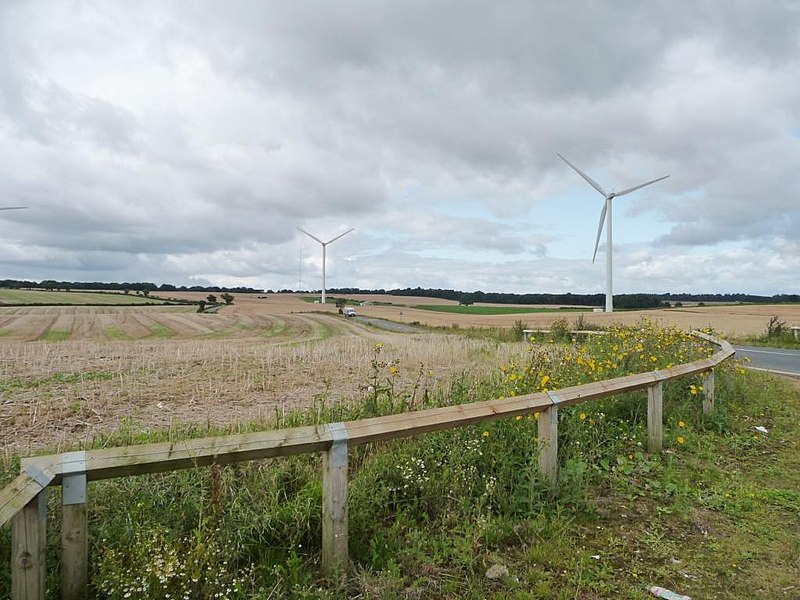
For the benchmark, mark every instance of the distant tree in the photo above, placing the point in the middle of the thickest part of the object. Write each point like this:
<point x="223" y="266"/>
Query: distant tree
<point x="466" y="299"/>
<point x="340" y="304"/>
<point x="146" y="293"/>
<point x="227" y="298"/>
<point x="212" y="299"/>
<point x="201" y="306"/>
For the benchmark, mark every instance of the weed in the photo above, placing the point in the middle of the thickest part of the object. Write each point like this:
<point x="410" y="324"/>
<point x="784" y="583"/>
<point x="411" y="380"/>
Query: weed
<point x="56" y="335"/>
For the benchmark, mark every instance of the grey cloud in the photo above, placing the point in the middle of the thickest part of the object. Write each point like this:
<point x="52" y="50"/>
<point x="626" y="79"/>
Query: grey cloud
<point x="177" y="139"/>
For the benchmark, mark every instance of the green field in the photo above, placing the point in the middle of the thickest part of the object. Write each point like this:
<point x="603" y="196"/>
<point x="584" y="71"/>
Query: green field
<point x="43" y="297"/>
<point x="493" y="310"/>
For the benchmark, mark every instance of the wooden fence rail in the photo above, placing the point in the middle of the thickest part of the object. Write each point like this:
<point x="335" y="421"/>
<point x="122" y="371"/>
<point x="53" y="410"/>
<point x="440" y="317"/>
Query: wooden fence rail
<point x="24" y="500"/>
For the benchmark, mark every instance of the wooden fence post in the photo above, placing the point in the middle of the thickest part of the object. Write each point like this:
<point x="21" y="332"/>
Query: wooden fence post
<point x="74" y="533"/>
<point x="28" y="543"/>
<point x="548" y="442"/>
<point x="655" y="417"/>
<point x="708" y="391"/>
<point x="334" y="503"/>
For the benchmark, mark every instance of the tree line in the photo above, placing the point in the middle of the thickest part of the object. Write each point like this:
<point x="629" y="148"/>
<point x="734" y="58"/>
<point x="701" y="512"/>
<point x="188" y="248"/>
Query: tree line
<point x="141" y="286"/>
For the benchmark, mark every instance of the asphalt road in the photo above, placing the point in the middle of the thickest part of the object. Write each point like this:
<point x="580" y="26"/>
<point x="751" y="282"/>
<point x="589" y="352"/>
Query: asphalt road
<point x="779" y="360"/>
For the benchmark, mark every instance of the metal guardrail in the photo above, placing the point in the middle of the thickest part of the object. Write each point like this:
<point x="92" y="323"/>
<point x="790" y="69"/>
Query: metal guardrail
<point x="24" y="501"/>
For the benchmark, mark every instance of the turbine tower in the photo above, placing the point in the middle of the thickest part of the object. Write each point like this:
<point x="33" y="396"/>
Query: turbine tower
<point x="324" y="249"/>
<point x="606" y="213"/>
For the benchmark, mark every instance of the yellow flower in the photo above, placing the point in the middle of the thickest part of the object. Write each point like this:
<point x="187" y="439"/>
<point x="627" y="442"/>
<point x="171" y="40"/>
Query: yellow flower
<point x="393" y="370"/>
<point x="545" y="379"/>
<point x="681" y="424"/>
<point x="582" y="416"/>
<point x="681" y="439"/>
<point x="518" y="418"/>
<point x="485" y="434"/>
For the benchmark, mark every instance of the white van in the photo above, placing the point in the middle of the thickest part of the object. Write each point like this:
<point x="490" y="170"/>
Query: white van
<point x="349" y="311"/>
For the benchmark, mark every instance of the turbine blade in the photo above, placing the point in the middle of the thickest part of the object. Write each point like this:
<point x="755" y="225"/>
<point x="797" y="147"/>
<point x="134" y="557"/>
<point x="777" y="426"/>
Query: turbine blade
<point x="599" y="231"/>
<point x="341" y="235"/>
<point x="591" y="181"/>
<point x="313" y="237"/>
<point x="638" y="187"/>
<point x="12" y="207"/>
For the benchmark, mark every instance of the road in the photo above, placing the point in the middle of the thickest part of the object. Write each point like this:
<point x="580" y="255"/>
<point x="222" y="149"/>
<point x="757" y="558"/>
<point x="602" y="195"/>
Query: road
<point x="387" y="325"/>
<point x="779" y="360"/>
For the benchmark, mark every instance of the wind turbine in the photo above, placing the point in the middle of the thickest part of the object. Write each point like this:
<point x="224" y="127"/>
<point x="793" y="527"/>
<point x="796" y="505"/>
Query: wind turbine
<point x="12" y="207"/>
<point x="324" y="249"/>
<point x="606" y="212"/>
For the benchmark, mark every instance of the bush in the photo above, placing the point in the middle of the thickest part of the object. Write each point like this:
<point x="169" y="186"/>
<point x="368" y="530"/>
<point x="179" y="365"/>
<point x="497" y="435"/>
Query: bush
<point x="519" y="329"/>
<point x="776" y="328"/>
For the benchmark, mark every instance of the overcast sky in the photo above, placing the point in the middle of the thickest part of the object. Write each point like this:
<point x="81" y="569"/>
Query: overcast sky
<point x="184" y="142"/>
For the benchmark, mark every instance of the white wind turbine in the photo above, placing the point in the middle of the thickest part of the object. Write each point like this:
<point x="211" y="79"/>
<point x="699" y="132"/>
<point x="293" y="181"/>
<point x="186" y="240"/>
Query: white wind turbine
<point x="606" y="212"/>
<point x="324" y="249"/>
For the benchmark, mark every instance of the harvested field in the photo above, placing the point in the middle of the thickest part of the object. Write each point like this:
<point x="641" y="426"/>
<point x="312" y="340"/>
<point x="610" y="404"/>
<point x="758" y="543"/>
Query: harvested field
<point x="11" y="296"/>
<point x="69" y="373"/>
<point x="56" y="394"/>
<point x="729" y="320"/>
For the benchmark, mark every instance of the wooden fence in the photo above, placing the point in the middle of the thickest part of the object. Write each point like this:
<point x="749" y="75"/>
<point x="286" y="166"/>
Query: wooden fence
<point x="24" y="501"/>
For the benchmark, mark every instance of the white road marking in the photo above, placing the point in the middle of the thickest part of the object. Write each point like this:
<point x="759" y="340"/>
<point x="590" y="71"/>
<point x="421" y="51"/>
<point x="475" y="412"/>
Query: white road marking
<point x="748" y="351"/>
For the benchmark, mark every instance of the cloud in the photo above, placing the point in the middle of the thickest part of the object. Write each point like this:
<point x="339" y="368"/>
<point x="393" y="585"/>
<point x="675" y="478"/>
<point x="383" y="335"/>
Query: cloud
<point x="172" y="143"/>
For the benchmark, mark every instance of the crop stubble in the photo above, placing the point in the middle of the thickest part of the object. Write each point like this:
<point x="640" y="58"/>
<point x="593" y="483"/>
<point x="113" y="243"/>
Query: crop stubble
<point x="250" y="360"/>
<point x="57" y="394"/>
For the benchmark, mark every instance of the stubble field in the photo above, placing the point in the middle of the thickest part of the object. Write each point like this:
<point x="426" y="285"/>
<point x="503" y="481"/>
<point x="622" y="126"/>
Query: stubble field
<point x="70" y="373"/>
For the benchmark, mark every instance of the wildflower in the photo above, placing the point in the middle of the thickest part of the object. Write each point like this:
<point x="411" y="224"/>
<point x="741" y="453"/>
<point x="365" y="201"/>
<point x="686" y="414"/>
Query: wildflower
<point x="681" y="439"/>
<point x="582" y="416"/>
<point x="518" y="418"/>
<point x="393" y="370"/>
<point x="485" y="434"/>
<point x="681" y="424"/>
<point x="545" y="379"/>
